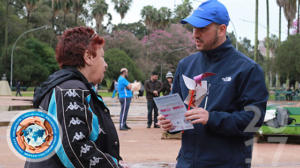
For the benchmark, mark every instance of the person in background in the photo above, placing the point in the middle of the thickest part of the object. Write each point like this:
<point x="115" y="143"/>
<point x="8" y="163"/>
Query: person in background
<point x="125" y="95"/>
<point x="18" y="89"/>
<point x="167" y="86"/>
<point x="153" y="88"/>
<point x="89" y="136"/>
<point x="114" y="88"/>
<point x="235" y="102"/>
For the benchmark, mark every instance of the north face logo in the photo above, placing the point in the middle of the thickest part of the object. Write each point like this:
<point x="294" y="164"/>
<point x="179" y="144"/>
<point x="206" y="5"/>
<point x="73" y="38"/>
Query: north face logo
<point x="227" y="79"/>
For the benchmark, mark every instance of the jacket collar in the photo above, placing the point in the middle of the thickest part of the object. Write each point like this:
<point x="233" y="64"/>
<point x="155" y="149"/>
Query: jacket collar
<point x="58" y="77"/>
<point x="219" y="52"/>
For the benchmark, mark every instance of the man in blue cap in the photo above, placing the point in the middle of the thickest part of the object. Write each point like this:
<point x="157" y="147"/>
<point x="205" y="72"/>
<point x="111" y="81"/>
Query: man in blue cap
<point x="235" y="104"/>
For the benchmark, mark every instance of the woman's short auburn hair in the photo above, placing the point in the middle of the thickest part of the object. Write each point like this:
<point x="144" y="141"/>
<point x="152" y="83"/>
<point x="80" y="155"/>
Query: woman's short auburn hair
<point x="73" y="44"/>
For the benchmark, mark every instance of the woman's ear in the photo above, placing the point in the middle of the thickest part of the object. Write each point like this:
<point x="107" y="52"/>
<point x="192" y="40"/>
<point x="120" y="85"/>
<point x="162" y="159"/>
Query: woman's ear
<point x="88" y="58"/>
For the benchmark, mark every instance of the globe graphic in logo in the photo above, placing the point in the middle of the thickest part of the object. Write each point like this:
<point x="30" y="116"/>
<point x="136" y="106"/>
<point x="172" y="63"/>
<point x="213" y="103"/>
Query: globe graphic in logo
<point x="34" y="135"/>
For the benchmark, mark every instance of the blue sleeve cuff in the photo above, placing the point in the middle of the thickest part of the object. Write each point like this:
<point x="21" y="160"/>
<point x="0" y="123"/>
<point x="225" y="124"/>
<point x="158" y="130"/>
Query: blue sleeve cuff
<point x="115" y="160"/>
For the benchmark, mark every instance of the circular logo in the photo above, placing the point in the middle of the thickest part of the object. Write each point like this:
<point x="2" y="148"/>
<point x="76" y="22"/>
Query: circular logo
<point x="34" y="134"/>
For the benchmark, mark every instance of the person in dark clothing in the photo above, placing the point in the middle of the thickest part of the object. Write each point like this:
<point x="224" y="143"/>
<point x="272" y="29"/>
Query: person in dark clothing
<point x="167" y="86"/>
<point x="18" y="89"/>
<point x="88" y="135"/>
<point x="153" y="88"/>
<point x="114" y="88"/>
<point x="289" y="94"/>
<point x="235" y="102"/>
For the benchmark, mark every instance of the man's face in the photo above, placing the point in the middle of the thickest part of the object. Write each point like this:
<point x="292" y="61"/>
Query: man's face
<point x="170" y="80"/>
<point x="206" y="38"/>
<point x="126" y="74"/>
<point x="154" y="77"/>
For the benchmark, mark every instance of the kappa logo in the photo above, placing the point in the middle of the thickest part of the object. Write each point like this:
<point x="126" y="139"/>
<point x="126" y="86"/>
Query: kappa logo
<point x="227" y="79"/>
<point x="74" y="106"/>
<point x="95" y="161"/>
<point x="71" y="93"/>
<point x="76" y="121"/>
<point x="85" y="149"/>
<point x="78" y="136"/>
<point x="101" y="131"/>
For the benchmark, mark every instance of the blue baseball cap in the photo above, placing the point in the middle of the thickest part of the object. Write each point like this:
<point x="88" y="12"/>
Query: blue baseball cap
<point x="211" y="11"/>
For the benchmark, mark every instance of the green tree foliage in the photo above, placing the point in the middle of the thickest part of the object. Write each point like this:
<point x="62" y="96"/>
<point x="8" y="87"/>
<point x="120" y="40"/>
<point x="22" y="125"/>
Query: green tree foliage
<point x="280" y="4"/>
<point x="245" y="47"/>
<point x="287" y="59"/>
<point x="149" y="15"/>
<point x="137" y="28"/>
<point x="56" y="6"/>
<point x="122" y="7"/>
<point x="30" y="5"/>
<point x="125" y="41"/>
<point x="182" y="11"/>
<point x="99" y="9"/>
<point x="164" y="17"/>
<point x="156" y="18"/>
<point x="15" y="26"/>
<point x="168" y="47"/>
<point x="33" y="62"/>
<point x="66" y="7"/>
<point x="290" y="9"/>
<point x="78" y="8"/>
<point x="117" y="59"/>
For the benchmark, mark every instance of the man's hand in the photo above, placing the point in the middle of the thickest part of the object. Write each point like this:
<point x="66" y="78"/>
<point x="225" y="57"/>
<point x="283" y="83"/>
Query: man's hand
<point x="155" y="93"/>
<point x="165" y="124"/>
<point x="197" y="116"/>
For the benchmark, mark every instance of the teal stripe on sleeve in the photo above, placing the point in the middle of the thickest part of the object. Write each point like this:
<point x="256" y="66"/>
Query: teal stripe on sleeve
<point x="60" y="151"/>
<point x="115" y="160"/>
<point x="95" y="122"/>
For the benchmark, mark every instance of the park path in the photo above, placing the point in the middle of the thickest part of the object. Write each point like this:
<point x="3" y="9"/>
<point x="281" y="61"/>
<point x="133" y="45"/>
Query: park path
<point x="142" y="147"/>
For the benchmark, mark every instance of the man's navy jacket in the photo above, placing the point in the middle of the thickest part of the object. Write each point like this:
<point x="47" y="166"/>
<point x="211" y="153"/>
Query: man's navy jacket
<point x="236" y="104"/>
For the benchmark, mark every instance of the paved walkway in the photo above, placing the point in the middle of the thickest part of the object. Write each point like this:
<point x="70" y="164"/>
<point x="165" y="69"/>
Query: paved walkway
<point x="144" y="148"/>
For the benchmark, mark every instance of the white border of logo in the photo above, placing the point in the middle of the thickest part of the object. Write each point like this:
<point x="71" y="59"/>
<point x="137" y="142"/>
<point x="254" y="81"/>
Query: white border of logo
<point x="33" y="157"/>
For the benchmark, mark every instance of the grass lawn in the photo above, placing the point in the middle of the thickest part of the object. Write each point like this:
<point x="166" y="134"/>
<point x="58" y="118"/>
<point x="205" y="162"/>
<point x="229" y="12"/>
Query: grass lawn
<point x="282" y="130"/>
<point x="288" y="130"/>
<point x="24" y="93"/>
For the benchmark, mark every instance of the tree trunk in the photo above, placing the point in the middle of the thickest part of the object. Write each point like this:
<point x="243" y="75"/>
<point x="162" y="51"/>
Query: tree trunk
<point x="65" y="13"/>
<point x="298" y="18"/>
<point x="28" y="15"/>
<point x="279" y="36"/>
<point x="98" y="27"/>
<point x="288" y="28"/>
<point x="268" y="32"/>
<point x="53" y="20"/>
<point x="256" y="32"/>
<point x="287" y="82"/>
<point x="76" y="16"/>
<point x="271" y="79"/>
<point x="4" y="54"/>
<point x="268" y="44"/>
<point x="277" y="81"/>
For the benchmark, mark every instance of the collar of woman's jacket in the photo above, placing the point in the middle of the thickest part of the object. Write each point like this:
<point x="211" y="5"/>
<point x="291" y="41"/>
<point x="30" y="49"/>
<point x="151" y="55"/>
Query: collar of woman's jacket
<point x="219" y="52"/>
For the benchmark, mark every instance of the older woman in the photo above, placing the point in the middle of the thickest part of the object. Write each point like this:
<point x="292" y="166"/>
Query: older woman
<point x="89" y="138"/>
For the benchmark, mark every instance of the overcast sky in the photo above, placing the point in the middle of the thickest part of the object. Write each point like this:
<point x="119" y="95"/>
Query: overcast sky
<point x="241" y="12"/>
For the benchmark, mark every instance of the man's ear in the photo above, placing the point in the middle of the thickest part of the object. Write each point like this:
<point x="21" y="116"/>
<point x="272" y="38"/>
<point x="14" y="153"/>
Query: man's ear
<point x="222" y="29"/>
<point x="88" y="58"/>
